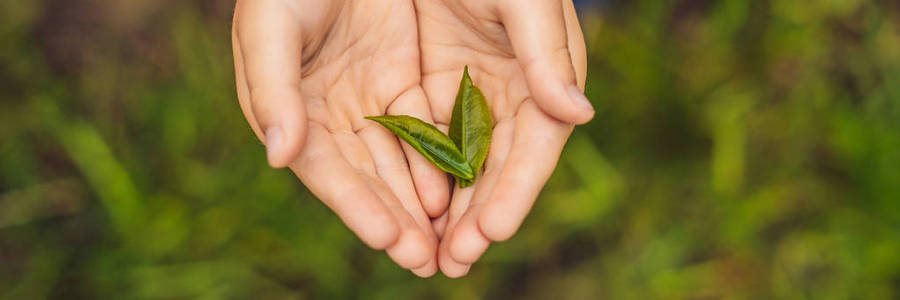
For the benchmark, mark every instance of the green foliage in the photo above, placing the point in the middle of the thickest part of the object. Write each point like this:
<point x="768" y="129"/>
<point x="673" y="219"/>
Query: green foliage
<point x="744" y="149"/>
<point x="471" y="125"/>
<point x="436" y="146"/>
<point x="463" y="152"/>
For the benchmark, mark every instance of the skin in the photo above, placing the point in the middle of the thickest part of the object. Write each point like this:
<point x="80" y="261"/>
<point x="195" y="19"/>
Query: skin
<point x="525" y="57"/>
<point x="309" y="71"/>
<point x="306" y="78"/>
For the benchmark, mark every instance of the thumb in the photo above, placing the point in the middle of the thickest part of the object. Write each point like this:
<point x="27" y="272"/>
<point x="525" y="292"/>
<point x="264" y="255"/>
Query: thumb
<point x="267" y="51"/>
<point x="537" y="32"/>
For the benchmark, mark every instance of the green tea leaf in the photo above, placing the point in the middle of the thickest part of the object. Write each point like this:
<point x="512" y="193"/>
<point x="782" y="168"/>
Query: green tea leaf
<point x="431" y="142"/>
<point x="471" y="125"/>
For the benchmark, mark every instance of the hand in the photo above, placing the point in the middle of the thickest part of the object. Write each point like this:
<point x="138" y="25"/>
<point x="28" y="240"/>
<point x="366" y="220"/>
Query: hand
<point x="307" y="73"/>
<point x="528" y="57"/>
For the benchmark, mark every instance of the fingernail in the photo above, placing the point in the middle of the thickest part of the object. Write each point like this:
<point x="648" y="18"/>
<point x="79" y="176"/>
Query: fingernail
<point x="274" y="140"/>
<point x="579" y="99"/>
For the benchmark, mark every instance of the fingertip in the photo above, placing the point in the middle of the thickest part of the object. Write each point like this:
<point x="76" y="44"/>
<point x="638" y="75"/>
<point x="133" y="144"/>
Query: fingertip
<point x="274" y="145"/>
<point x="435" y="198"/>
<point x="495" y="225"/>
<point x="568" y="104"/>
<point x="424" y="272"/>
<point x="428" y="270"/>
<point x="432" y="185"/>
<point x="282" y="148"/>
<point x="450" y="267"/>
<point x="584" y="110"/>
<point x="467" y="243"/>
<point x="458" y="272"/>
<point x="412" y="250"/>
<point x="280" y="113"/>
<point x="454" y="269"/>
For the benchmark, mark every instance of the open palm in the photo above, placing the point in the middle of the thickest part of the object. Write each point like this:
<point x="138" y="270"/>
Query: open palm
<point x="307" y="73"/>
<point x="529" y="60"/>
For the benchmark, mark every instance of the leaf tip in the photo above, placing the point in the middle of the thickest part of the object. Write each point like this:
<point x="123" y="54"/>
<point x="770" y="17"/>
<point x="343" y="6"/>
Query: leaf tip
<point x="466" y="79"/>
<point x="378" y="119"/>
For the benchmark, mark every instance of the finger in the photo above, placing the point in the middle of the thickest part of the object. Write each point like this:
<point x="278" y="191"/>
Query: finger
<point x="413" y="249"/>
<point x="448" y="266"/>
<point x="537" y="143"/>
<point x="243" y="91"/>
<point x="440" y="224"/>
<point x="330" y="177"/>
<point x="267" y="36"/>
<point x="537" y="32"/>
<point x="468" y="243"/>
<point x="413" y="246"/>
<point x="429" y="269"/>
<point x="458" y="206"/>
<point x="391" y="167"/>
<point x="431" y="183"/>
<point x="576" y="43"/>
<point x="463" y="242"/>
<point x="440" y="95"/>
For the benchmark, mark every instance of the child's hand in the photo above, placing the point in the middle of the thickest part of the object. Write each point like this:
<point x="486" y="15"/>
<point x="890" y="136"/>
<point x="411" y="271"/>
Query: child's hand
<point x="528" y="58"/>
<point x="307" y="74"/>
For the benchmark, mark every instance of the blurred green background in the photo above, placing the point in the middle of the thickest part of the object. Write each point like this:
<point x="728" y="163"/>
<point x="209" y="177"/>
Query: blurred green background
<point x="741" y="149"/>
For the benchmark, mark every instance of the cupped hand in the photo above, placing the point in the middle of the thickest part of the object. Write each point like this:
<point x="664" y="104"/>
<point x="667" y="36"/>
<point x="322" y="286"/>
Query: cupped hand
<point x="307" y="73"/>
<point x="528" y="57"/>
